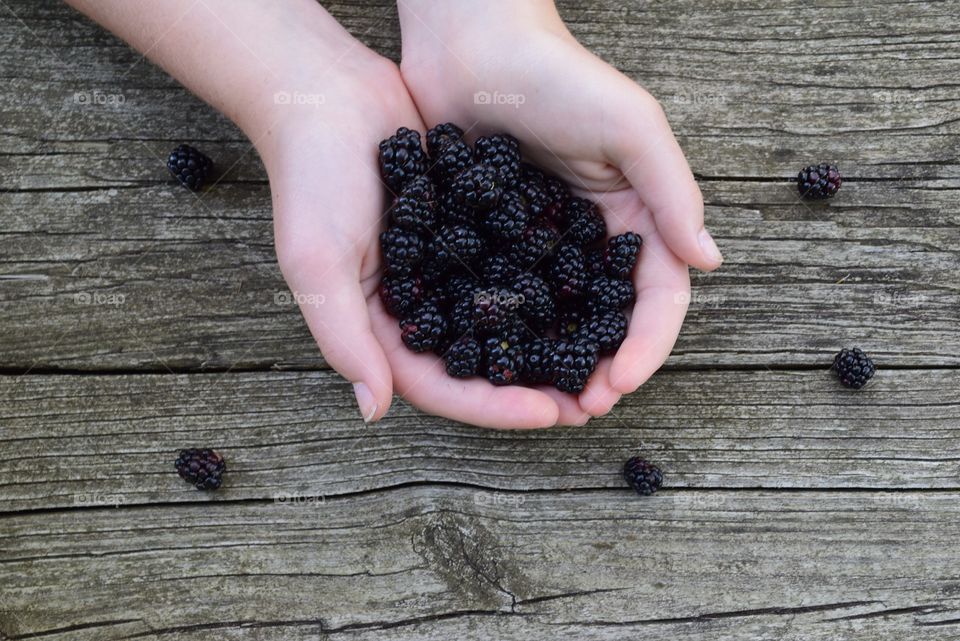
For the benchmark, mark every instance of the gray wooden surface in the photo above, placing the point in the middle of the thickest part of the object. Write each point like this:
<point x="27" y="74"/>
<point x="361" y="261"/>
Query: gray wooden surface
<point x="136" y="320"/>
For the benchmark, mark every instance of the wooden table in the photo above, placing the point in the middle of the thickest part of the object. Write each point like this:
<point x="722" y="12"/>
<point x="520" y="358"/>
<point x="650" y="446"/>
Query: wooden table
<point x="137" y="319"/>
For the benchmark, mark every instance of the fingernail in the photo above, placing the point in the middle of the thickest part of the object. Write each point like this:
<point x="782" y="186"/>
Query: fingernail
<point x="709" y="247"/>
<point x="365" y="400"/>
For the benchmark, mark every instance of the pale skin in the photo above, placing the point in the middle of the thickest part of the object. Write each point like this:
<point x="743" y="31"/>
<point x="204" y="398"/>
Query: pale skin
<point x="578" y="117"/>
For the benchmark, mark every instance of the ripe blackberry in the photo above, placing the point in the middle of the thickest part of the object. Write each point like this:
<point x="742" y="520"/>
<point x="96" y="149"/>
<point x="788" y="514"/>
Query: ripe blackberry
<point x="456" y="287"/>
<point x="558" y="194"/>
<point x="854" y="367"/>
<point x="538" y="308"/>
<point x="402" y="159"/>
<point x="498" y="269"/>
<point x="535" y="246"/>
<point x="643" y="476"/>
<point x="607" y="328"/>
<point x="203" y="468"/>
<point x="400" y="294"/>
<point x="540" y="362"/>
<point x="621" y="255"/>
<point x="449" y="152"/>
<point x="416" y="206"/>
<point x="401" y="248"/>
<point x="568" y="271"/>
<point x="479" y="187"/>
<point x="424" y="329"/>
<point x="463" y="358"/>
<point x="575" y="361"/>
<point x="502" y="152"/>
<point x="572" y="321"/>
<point x="503" y="361"/>
<point x="455" y="248"/>
<point x="584" y="224"/>
<point x="595" y="263"/>
<point x="532" y="190"/>
<point x="454" y="212"/>
<point x="506" y="222"/>
<point x="819" y="182"/>
<point x="610" y="293"/>
<point x="189" y="166"/>
<point x="494" y="309"/>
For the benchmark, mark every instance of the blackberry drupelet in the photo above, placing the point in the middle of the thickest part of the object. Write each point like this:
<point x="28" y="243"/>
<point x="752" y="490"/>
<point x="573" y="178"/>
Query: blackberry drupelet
<point x="478" y="186"/>
<point x="415" y="208"/>
<point x="203" y="468"/>
<point x="506" y="222"/>
<point x="819" y="182"/>
<point x="424" y="329"/>
<point x="643" y="476"/>
<point x="621" y="254"/>
<point x="503" y="361"/>
<point x="400" y="294"/>
<point x="502" y="152"/>
<point x="449" y="152"/>
<point x="401" y="248"/>
<point x="575" y="361"/>
<point x="607" y="328"/>
<point x="584" y="224"/>
<point x="189" y="166"/>
<point x="568" y="272"/>
<point x="854" y="367"/>
<point x="610" y="293"/>
<point x="537" y="308"/>
<point x="463" y="358"/>
<point x="402" y="159"/>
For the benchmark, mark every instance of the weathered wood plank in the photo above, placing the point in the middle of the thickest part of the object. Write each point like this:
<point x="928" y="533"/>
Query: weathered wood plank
<point x="78" y="440"/>
<point x="439" y="563"/>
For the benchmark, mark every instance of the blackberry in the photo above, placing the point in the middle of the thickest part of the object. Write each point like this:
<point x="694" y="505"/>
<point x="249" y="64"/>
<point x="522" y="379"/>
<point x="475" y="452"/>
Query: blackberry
<point x="502" y="152"/>
<point x="402" y="159"/>
<point x="461" y="316"/>
<point x="400" y="294"/>
<point x="203" y="468"/>
<point x="494" y="309"/>
<point x="610" y="293"/>
<point x="540" y="362"/>
<point x="189" y="166"/>
<point x="456" y="287"/>
<point x="568" y="271"/>
<point x="607" y="328"/>
<point x="572" y="322"/>
<point x="819" y="182"/>
<point x="454" y="212"/>
<point x="595" y="262"/>
<point x="621" y="255"/>
<point x="854" y="367"/>
<point x="506" y="222"/>
<point x="498" y="269"/>
<point x="584" y="224"/>
<point x="558" y="194"/>
<point x="424" y="328"/>
<point x="463" y="358"/>
<point x="449" y="152"/>
<point x="532" y="190"/>
<point x="416" y="206"/>
<point x="575" y="361"/>
<point x="478" y="186"/>
<point x="503" y="361"/>
<point x="537" y="305"/>
<point x="535" y="246"/>
<point x="453" y="249"/>
<point x="401" y="248"/>
<point x="643" y="476"/>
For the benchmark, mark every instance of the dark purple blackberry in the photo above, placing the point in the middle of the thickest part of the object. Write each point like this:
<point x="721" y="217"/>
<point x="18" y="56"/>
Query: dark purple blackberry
<point x="494" y="309"/>
<point x="594" y="262"/>
<point x="456" y="248"/>
<point x="503" y="361"/>
<point x="819" y="182"/>
<point x="498" y="269"/>
<point x="572" y="321"/>
<point x="610" y="293"/>
<point x="607" y="328"/>
<point x="449" y="152"/>
<point x="478" y="186"/>
<point x="506" y="222"/>
<point x="533" y="190"/>
<point x="400" y="294"/>
<point x="424" y="329"/>
<point x="621" y="255"/>
<point x="538" y="308"/>
<point x="462" y="359"/>
<point x="568" y="272"/>
<point x="558" y="195"/>
<point x="643" y="476"/>
<point x="584" y="224"/>
<point x="535" y="247"/>
<point x="401" y="248"/>
<point x="540" y="366"/>
<point x="456" y="287"/>
<point x="854" y="367"/>
<point x="452" y="212"/>
<point x="402" y="159"/>
<point x="575" y="361"/>
<point x="203" y="468"/>
<point x="416" y="206"/>
<point x="502" y="152"/>
<point x="189" y="166"/>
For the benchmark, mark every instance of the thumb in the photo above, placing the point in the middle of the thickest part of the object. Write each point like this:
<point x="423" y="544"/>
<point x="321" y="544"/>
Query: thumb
<point x="647" y="153"/>
<point x="335" y="309"/>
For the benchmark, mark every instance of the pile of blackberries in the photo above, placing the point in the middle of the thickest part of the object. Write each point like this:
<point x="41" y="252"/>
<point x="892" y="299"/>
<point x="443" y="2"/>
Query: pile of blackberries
<point x="496" y="266"/>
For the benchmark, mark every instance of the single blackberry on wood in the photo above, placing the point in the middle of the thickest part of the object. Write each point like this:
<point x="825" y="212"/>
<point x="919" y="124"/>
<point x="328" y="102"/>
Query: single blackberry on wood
<point x="854" y="367"/>
<point x="189" y="166"/>
<point x="203" y="468"/>
<point x="643" y="476"/>
<point x="819" y="182"/>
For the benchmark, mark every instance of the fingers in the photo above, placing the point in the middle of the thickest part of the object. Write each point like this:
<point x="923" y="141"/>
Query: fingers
<point x="598" y="397"/>
<point x="644" y="148"/>
<point x="333" y="304"/>
<point x="663" y="294"/>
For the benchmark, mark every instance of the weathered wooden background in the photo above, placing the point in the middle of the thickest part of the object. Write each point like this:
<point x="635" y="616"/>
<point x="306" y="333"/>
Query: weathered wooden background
<point x="136" y="319"/>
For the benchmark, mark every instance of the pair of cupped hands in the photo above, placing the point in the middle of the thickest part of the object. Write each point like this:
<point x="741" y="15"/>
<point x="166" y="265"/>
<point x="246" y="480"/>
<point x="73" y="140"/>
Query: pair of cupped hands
<point x="492" y="66"/>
